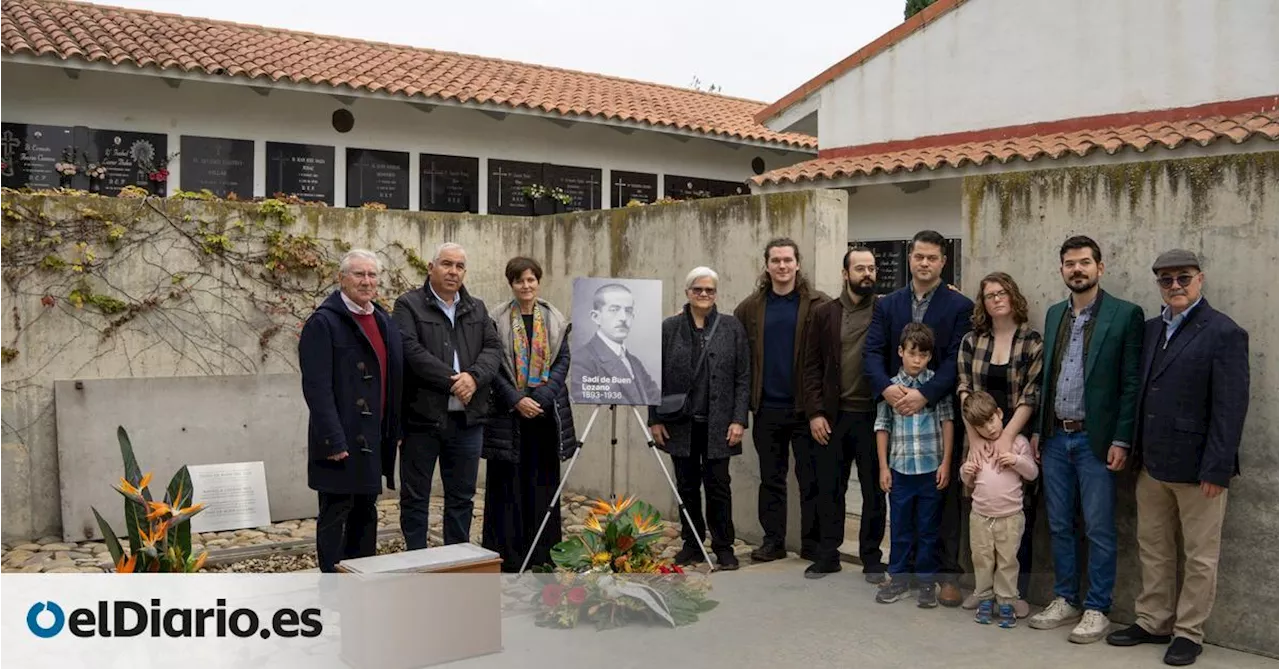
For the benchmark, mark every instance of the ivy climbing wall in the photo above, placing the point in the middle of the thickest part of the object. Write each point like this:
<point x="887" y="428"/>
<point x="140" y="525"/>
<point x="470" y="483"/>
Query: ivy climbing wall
<point x="138" y="287"/>
<point x="1224" y="208"/>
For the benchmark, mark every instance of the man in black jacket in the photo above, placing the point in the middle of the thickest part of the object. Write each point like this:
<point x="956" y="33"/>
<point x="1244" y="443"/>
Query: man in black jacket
<point x="452" y="354"/>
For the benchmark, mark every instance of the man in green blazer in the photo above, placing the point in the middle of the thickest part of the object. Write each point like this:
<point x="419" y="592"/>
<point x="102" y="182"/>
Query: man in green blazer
<point x="1092" y="356"/>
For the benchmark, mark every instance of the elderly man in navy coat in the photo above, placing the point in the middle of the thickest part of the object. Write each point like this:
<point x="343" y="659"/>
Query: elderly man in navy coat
<point x="925" y="299"/>
<point x="352" y="364"/>
<point x="1194" y="397"/>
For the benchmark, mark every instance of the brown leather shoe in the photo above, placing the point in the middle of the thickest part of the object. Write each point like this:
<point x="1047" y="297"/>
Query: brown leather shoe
<point x="949" y="595"/>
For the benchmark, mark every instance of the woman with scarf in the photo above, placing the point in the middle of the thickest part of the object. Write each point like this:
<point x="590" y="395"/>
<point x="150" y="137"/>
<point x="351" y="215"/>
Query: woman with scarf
<point x="530" y="424"/>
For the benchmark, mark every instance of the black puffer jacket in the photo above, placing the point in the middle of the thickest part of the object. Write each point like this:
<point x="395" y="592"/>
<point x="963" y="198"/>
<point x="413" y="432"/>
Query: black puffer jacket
<point x="502" y="433"/>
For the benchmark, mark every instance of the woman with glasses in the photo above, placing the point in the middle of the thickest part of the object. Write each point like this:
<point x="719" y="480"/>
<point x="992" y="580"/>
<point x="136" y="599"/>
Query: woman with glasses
<point x="1002" y="356"/>
<point x="530" y="424"/>
<point x="706" y="379"/>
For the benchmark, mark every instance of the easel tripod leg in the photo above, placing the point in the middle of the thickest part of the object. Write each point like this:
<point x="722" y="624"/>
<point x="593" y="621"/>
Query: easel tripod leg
<point x="653" y="447"/>
<point x="555" y="500"/>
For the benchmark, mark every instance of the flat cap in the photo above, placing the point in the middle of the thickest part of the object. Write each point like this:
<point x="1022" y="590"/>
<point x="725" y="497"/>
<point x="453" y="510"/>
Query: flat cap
<point x="1176" y="258"/>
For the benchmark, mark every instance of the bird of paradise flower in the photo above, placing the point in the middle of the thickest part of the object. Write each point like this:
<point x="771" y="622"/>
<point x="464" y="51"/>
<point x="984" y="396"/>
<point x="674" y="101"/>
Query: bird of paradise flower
<point x="159" y="532"/>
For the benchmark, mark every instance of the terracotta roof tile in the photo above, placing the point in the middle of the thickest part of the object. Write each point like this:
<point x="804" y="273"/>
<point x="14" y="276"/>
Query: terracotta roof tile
<point x="98" y="33"/>
<point x="1000" y="148"/>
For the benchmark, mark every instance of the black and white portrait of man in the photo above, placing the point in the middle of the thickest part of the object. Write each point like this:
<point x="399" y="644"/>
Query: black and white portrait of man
<point x="617" y="343"/>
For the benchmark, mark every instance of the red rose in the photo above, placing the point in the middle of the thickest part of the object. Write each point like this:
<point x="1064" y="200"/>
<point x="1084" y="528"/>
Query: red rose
<point x="552" y="593"/>
<point x="577" y="595"/>
<point x="678" y="570"/>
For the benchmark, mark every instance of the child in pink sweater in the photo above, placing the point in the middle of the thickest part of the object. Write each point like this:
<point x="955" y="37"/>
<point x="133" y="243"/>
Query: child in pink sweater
<point x="996" y="522"/>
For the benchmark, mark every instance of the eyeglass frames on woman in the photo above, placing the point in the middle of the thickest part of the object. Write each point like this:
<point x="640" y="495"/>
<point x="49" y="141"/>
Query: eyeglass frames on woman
<point x="998" y="295"/>
<point x="699" y="290"/>
<point x="1183" y="280"/>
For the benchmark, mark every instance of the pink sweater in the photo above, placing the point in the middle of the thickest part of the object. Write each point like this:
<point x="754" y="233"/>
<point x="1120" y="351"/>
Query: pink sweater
<point x="998" y="493"/>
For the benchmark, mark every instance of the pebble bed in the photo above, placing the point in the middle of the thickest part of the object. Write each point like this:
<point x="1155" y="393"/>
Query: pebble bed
<point x="295" y="539"/>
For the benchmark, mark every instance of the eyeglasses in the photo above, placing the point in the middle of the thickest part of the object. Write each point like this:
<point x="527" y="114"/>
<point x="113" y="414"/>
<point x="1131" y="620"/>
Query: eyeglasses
<point x="998" y="295"/>
<point x="698" y="290"/>
<point x="1183" y="280"/>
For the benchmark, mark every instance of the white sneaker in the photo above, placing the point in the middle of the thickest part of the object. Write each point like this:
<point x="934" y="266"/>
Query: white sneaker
<point x="1093" y="626"/>
<point x="1057" y="614"/>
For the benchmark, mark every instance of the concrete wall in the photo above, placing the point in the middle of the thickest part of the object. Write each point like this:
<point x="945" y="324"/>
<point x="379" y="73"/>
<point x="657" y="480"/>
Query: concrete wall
<point x="993" y="63"/>
<point x="889" y="211"/>
<point x="1224" y="208"/>
<point x="226" y="321"/>
<point x="39" y="94"/>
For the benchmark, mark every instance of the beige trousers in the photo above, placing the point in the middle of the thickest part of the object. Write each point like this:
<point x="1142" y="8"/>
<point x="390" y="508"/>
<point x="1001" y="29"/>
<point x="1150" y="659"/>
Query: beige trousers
<point x="1163" y="509"/>
<point x="994" y="544"/>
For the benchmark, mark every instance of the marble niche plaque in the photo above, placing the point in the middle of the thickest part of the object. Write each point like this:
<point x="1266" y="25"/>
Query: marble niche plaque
<point x="303" y="170"/>
<point x="220" y="166"/>
<point x="378" y="176"/>
<point x="449" y="183"/>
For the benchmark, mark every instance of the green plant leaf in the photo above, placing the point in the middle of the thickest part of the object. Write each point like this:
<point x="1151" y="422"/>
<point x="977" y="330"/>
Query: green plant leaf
<point x="132" y="472"/>
<point x="109" y="538"/>
<point x="570" y="554"/>
<point x="135" y="519"/>
<point x="180" y="495"/>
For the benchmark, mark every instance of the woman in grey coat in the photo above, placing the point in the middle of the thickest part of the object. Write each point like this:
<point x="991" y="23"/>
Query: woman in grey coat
<point x="704" y="431"/>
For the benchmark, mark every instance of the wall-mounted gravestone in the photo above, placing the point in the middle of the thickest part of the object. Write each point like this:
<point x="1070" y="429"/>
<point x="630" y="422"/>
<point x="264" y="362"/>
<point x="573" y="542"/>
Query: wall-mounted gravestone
<point x="627" y="186"/>
<point x="507" y="179"/>
<point x="581" y="184"/>
<point x="302" y="170"/>
<point x="891" y="265"/>
<point x="128" y="157"/>
<point x="31" y="153"/>
<point x="696" y="188"/>
<point x="220" y="166"/>
<point x="727" y="188"/>
<point x="378" y="176"/>
<point x="449" y="183"/>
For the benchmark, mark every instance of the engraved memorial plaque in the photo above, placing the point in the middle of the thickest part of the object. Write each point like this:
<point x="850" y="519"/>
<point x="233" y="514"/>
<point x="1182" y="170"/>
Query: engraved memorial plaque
<point x="449" y="183"/>
<point x="31" y="153"/>
<point x="378" y="176"/>
<point x="507" y="179"/>
<point x="627" y="186"/>
<point x="581" y="184"/>
<point x="302" y="170"/>
<point x="128" y="157"/>
<point x="221" y="166"/>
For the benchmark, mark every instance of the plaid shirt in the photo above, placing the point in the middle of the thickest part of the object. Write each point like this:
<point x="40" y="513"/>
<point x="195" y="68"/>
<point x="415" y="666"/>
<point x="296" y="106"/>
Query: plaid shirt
<point x="915" y="442"/>
<point x="1025" y="363"/>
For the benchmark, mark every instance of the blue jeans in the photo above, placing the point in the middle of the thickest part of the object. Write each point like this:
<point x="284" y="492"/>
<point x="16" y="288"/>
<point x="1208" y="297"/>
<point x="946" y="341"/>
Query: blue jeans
<point x="915" y="506"/>
<point x="457" y="447"/>
<point x="1073" y="474"/>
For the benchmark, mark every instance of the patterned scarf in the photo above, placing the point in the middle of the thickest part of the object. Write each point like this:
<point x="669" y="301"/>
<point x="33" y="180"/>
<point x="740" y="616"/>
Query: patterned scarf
<point x="532" y="368"/>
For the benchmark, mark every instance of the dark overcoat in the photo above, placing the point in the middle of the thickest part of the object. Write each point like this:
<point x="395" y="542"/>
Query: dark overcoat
<point x="341" y="382"/>
<point x="729" y="364"/>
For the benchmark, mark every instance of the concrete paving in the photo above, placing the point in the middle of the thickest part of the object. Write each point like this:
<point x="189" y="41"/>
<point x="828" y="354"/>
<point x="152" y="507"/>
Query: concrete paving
<point x="770" y="616"/>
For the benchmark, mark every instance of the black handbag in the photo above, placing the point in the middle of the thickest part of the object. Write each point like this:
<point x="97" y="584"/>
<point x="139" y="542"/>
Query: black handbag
<point x="673" y="407"/>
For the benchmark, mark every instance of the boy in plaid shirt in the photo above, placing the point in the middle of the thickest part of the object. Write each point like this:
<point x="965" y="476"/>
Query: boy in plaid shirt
<point x="915" y="459"/>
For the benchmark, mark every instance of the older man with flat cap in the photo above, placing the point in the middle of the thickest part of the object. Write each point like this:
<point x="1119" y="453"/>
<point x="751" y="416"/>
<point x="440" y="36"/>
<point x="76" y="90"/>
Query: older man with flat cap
<point x="1194" y="397"/>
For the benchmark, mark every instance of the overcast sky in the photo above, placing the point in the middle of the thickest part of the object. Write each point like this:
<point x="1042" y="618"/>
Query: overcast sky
<point x="750" y="48"/>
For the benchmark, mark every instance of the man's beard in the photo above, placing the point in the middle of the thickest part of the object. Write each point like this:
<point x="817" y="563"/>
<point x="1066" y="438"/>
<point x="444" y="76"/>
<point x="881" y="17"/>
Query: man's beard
<point x="860" y="289"/>
<point x="1084" y="288"/>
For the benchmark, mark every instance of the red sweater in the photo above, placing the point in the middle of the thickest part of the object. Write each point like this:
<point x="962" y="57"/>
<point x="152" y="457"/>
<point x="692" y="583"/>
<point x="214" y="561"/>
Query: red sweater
<point x="369" y="323"/>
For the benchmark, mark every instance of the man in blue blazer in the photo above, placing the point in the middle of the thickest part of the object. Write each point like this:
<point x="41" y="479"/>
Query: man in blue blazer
<point x="1191" y="410"/>
<point x="947" y="312"/>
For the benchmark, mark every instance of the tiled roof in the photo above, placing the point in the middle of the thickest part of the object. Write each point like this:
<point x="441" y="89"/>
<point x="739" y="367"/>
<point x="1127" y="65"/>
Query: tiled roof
<point x="128" y="39"/>
<point x="1235" y="122"/>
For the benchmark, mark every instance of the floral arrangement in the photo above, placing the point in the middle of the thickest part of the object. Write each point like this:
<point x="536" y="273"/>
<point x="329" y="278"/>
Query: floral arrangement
<point x="96" y="171"/>
<point x="159" y="532"/>
<point x="538" y="191"/>
<point x="611" y="574"/>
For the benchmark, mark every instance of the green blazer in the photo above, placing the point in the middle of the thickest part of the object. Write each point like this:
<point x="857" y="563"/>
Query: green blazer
<point x="1112" y="365"/>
